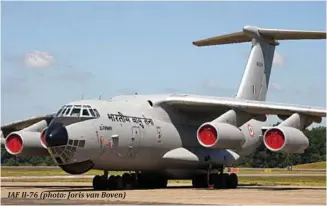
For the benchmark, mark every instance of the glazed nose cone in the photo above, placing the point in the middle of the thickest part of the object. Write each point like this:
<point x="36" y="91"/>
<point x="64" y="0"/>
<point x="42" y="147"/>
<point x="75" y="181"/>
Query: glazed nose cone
<point x="56" y="135"/>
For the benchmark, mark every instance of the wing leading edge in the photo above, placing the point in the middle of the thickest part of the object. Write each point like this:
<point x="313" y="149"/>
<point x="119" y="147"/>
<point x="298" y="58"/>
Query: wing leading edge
<point x="253" y="107"/>
<point x="21" y="124"/>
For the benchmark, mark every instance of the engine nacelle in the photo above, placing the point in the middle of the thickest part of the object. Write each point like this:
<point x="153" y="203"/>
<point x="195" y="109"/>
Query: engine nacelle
<point x="220" y="135"/>
<point x="286" y="139"/>
<point x="25" y="143"/>
<point x="42" y="138"/>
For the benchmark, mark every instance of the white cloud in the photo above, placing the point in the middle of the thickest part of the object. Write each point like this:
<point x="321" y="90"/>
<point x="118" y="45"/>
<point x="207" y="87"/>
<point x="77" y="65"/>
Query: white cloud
<point x="276" y="86"/>
<point x="278" y="60"/>
<point x="38" y="59"/>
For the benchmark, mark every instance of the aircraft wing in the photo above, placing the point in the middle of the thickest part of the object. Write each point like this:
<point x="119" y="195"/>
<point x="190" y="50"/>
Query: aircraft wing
<point x="21" y="124"/>
<point x="212" y="105"/>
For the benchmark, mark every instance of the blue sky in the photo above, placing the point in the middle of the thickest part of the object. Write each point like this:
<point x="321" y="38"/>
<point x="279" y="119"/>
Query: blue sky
<point x="113" y="48"/>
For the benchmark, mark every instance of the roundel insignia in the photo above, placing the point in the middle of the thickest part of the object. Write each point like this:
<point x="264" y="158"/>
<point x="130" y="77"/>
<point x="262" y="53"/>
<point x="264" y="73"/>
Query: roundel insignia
<point x="250" y="130"/>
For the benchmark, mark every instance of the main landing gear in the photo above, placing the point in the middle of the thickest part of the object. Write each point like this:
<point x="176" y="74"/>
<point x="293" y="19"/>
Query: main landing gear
<point x="129" y="181"/>
<point x="219" y="181"/>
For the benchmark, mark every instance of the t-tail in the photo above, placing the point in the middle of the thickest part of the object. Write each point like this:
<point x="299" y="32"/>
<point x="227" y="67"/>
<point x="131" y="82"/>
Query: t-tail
<point x="255" y="80"/>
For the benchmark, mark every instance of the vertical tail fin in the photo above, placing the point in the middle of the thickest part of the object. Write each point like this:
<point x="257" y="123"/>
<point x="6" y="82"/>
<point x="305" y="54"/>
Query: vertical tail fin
<point x="255" y="80"/>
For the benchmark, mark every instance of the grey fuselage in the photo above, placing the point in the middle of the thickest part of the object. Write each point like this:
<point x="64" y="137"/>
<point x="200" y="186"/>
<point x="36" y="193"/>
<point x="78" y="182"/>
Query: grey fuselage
<point x="144" y="138"/>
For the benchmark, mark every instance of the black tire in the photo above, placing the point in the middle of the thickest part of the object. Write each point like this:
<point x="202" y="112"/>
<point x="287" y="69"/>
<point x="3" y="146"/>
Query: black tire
<point x="133" y="181"/>
<point x="164" y="182"/>
<point x="126" y="181"/>
<point x="195" y="182"/>
<point x="119" y="182"/>
<point x="96" y="182"/>
<point x="220" y="182"/>
<point x="233" y="181"/>
<point x="111" y="182"/>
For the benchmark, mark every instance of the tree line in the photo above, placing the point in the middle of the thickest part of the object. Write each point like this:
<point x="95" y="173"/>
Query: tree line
<point x="261" y="158"/>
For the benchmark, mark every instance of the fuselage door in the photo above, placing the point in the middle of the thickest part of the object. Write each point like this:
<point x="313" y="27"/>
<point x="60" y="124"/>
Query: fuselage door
<point x="103" y="134"/>
<point x="134" y="141"/>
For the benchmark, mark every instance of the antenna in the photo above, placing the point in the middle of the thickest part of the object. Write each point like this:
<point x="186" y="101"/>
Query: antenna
<point x="100" y="97"/>
<point x="82" y="96"/>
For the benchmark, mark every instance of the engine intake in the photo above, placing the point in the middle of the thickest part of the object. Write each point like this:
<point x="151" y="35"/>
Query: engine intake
<point x="220" y="136"/>
<point x="42" y="138"/>
<point x="25" y="143"/>
<point x="286" y="139"/>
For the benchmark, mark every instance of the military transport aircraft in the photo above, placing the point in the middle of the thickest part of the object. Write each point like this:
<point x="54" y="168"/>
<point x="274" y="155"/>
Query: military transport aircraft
<point x="177" y="136"/>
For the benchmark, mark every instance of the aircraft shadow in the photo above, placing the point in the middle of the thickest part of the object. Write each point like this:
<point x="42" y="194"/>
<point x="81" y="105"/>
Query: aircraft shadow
<point x="79" y="188"/>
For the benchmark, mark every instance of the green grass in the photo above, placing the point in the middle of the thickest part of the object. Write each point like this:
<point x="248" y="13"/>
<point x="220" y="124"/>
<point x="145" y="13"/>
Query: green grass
<point x="45" y="172"/>
<point x="5" y="172"/>
<point x="303" y="181"/>
<point x="315" y="165"/>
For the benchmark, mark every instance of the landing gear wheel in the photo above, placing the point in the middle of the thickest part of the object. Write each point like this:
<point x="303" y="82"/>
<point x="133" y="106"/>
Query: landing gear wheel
<point x="140" y="181"/>
<point x="96" y="181"/>
<point x="119" y="182"/>
<point x="133" y="181"/>
<point x="99" y="182"/>
<point x="220" y="181"/>
<point x="127" y="181"/>
<point x="111" y="182"/>
<point x="232" y="181"/>
<point x="163" y="182"/>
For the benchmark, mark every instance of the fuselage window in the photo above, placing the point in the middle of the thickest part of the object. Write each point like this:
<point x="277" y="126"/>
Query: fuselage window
<point x="76" y="112"/>
<point x="85" y="112"/>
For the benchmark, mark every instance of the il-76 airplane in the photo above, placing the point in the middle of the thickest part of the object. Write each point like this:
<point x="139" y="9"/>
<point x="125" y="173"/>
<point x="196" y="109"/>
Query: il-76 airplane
<point x="162" y="137"/>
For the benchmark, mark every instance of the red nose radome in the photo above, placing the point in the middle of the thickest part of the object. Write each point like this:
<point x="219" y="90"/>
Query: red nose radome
<point x="207" y="135"/>
<point x="274" y="139"/>
<point x="14" y="144"/>
<point x="43" y="138"/>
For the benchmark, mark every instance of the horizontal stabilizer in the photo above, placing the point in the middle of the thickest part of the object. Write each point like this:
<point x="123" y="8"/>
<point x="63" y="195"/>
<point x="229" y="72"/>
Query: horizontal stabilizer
<point x="270" y="35"/>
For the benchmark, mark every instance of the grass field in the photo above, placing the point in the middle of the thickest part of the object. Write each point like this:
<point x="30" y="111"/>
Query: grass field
<point x="5" y="172"/>
<point x="315" y="165"/>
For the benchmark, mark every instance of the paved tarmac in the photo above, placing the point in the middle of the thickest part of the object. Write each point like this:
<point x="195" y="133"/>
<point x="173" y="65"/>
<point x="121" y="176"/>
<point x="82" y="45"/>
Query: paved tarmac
<point x="82" y="193"/>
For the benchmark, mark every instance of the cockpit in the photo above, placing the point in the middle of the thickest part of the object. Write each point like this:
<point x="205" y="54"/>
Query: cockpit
<point x="78" y="111"/>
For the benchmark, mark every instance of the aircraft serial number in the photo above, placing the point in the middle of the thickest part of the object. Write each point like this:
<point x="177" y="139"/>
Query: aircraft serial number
<point x="138" y="120"/>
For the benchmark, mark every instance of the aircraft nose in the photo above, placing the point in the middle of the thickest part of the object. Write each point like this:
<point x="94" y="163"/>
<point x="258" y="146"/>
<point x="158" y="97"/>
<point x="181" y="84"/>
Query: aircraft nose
<point x="56" y="135"/>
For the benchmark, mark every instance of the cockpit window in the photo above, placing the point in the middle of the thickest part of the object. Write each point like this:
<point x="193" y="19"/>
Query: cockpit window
<point x="97" y="114"/>
<point x="68" y="110"/>
<point x="92" y="113"/>
<point x="58" y="113"/>
<point x="85" y="112"/>
<point x="77" y="111"/>
<point x="63" y="111"/>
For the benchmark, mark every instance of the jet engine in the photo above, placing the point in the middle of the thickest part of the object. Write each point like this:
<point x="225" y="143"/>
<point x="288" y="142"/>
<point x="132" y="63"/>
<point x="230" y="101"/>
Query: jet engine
<point x="42" y="138"/>
<point x="286" y="139"/>
<point x="220" y="135"/>
<point x="25" y="143"/>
